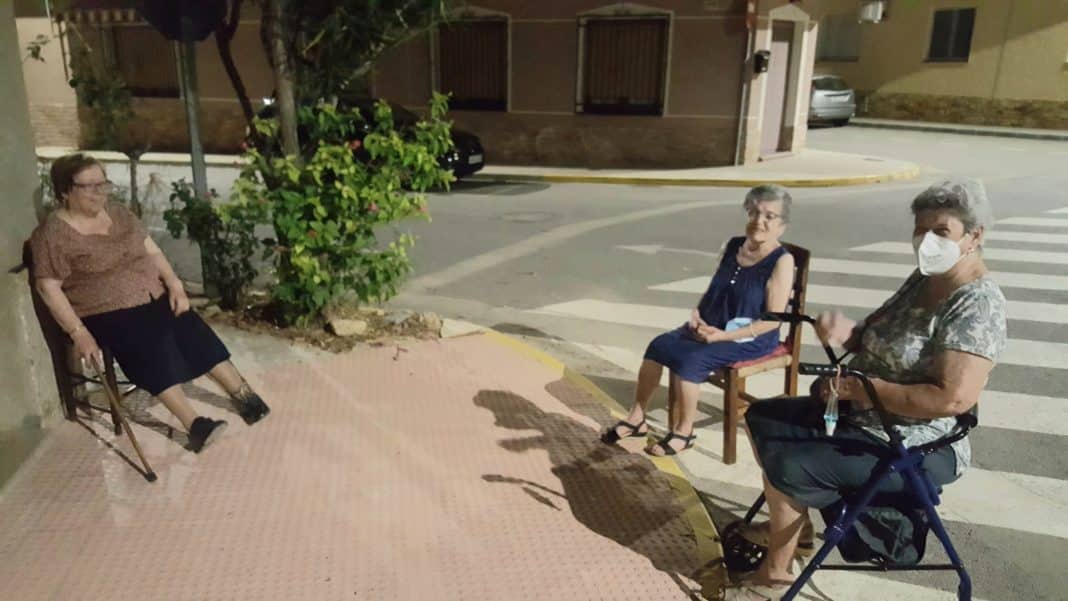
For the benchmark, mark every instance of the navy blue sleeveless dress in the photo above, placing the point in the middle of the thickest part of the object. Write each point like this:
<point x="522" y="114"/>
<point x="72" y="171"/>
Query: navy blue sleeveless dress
<point x="735" y="291"/>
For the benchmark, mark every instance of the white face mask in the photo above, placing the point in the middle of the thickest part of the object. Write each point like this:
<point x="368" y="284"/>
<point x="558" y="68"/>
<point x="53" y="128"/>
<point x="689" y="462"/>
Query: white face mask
<point x="935" y="254"/>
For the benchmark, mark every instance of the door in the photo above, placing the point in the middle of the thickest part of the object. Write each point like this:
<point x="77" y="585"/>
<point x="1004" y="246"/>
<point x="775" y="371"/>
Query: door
<point x="782" y="34"/>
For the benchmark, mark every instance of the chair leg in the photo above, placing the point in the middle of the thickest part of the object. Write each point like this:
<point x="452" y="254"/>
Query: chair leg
<point x="731" y="414"/>
<point x="113" y="385"/>
<point x="790" y="385"/>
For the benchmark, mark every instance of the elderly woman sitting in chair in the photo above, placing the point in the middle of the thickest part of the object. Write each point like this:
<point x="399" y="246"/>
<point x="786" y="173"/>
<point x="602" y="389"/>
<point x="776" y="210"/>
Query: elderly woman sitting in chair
<point x="928" y="350"/>
<point x="107" y="283"/>
<point x="755" y="275"/>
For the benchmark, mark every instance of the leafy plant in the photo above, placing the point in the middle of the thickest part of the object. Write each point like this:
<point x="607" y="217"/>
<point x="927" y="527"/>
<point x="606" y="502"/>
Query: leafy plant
<point x="226" y="236"/>
<point x="327" y="207"/>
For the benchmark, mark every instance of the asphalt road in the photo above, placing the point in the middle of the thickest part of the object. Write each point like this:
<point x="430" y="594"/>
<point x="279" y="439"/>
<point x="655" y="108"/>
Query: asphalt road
<point x="593" y="272"/>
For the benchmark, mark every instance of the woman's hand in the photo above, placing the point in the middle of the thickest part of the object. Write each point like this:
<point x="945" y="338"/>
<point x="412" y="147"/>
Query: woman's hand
<point x="709" y="334"/>
<point x="834" y="328"/>
<point x="695" y="320"/>
<point x="179" y="300"/>
<point x="850" y="388"/>
<point x="86" y="348"/>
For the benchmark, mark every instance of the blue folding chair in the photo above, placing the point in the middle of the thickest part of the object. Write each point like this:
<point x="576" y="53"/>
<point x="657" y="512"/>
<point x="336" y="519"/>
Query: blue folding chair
<point x="920" y="494"/>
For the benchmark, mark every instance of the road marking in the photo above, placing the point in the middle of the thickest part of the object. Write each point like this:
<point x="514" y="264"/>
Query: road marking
<point x="1005" y="410"/>
<point x="1028" y="353"/>
<point x="1033" y="281"/>
<point x="1032" y="237"/>
<point x="1035" y="221"/>
<point x="1058" y="211"/>
<point x="994" y="254"/>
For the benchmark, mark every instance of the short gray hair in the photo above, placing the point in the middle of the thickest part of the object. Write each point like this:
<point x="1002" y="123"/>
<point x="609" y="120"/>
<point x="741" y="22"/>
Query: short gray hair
<point x="769" y="193"/>
<point x="964" y="198"/>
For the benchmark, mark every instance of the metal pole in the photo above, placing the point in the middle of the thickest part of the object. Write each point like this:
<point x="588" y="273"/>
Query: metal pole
<point x="188" y="70"/>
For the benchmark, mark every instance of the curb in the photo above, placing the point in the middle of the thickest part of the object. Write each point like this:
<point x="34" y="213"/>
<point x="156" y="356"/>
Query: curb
<point x="858" y="180"/>
<point x="712" y="575"/>
<point x="965" y="130"/>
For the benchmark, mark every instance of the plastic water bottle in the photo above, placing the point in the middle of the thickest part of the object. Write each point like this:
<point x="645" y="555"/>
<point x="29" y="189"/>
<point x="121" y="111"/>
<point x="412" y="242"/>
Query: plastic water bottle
<point x="830" y="413"/>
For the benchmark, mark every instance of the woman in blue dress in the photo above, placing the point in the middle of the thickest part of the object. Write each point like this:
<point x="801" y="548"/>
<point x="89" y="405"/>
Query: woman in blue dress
<point x="755" y="275"/>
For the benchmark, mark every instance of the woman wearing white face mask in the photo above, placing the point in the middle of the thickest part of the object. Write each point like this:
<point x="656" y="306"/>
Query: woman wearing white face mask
<point x="928" y="350"/>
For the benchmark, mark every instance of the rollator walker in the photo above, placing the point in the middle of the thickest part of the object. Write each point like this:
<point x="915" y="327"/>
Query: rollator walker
<point x="919" y="495"/>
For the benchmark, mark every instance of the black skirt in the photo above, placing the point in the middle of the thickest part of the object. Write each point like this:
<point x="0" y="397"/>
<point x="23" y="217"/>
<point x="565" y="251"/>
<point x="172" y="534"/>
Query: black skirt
<point x="155" y="348"/>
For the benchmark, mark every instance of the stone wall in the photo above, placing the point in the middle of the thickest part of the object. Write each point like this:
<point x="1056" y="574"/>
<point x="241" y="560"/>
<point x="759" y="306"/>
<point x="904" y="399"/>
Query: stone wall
<point x="55" y="125"/>
<point x="597" y="141"/>
<point x="964" y="109"/>
<point x="161" y="123"/>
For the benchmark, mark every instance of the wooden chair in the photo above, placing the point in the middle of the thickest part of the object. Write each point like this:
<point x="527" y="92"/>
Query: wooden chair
<point x="785" y="356"/>
<point x="71" y="380"/>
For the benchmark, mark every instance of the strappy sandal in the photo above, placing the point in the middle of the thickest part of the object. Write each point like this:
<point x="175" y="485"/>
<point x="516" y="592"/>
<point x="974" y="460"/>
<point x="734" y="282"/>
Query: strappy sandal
<point x="757" y="533"/>
<point x="612" y="436"/>
<point x="665" y="444"/>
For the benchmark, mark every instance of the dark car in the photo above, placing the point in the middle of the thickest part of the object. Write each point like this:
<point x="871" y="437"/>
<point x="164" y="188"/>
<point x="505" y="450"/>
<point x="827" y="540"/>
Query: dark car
<point x="465" y="158"/>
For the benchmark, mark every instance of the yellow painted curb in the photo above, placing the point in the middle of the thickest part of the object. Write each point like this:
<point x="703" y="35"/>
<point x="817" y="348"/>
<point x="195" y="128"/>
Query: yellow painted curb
<point x="713" y="574"/>
<point x="858" y="180"/>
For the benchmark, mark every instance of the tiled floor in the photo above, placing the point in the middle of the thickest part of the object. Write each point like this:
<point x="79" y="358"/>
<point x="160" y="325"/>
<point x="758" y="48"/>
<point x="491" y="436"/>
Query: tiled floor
<point x="451" y="469"/>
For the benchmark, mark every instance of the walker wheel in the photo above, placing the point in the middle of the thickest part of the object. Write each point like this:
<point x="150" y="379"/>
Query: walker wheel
<point x="740" y="555"/>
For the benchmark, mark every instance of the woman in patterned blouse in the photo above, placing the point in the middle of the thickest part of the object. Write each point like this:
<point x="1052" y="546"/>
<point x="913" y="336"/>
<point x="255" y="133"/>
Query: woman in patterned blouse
<point x="107" y="283"/>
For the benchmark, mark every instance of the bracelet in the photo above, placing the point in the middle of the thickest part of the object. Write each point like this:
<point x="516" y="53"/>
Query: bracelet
<point x="71" y="333"/>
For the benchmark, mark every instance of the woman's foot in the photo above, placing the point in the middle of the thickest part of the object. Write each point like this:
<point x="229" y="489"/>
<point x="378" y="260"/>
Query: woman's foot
<point x="756" y="589"/>
<point x="203" y="432"/>
<point x="624" y="429"/>
<point x="757" y="533"/>
<point x="249" y="405"/>
<point x="672" y="444"/>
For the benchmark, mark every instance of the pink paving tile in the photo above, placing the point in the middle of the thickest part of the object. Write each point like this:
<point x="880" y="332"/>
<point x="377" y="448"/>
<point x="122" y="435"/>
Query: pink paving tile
<point x="448" y="470"/>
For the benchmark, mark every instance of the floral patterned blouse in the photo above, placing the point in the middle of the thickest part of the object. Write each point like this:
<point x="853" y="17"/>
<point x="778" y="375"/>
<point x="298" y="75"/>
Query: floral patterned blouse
<point x="902" y="340"/>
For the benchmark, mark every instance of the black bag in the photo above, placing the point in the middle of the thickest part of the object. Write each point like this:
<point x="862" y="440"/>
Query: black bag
<point x="890" y="531"/>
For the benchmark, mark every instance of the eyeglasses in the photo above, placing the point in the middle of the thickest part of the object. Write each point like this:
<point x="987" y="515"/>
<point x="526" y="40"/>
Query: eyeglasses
<point x="97" y="187"/>
<point x="755" y="215"/>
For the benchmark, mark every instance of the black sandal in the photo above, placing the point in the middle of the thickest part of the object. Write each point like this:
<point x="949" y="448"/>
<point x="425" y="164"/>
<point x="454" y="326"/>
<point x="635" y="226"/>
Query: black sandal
<point x="612" y="437"/>
<point x="665" y="443"/>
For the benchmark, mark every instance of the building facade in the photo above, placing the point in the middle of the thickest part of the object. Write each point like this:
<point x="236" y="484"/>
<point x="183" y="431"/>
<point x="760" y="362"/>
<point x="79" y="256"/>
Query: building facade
<point x="664" y="83"/>
<point x="993" y="62"/>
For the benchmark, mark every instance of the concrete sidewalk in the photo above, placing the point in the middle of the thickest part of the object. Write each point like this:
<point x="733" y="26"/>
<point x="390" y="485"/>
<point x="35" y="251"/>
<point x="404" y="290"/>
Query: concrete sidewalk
<point x="465" y="468"/>
<point x="963" y="128"/>
<point x="808" y="168"/>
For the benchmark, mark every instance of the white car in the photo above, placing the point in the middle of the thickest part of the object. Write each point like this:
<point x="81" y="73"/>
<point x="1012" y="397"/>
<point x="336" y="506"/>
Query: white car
<point x="832" y="100"/>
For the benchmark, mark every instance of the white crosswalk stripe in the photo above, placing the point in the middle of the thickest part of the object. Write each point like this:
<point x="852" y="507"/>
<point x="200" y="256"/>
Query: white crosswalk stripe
<point x="991" y="254"/>
<point x="1031" y="237"/>
<point x="1027" y="353"/>
<point x="1034" y="281"/>
<point x="1035" y="221"/>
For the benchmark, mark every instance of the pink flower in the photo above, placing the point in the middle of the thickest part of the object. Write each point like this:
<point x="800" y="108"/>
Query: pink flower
<point x="373" y="208"/>
<point x="355" y="144"/>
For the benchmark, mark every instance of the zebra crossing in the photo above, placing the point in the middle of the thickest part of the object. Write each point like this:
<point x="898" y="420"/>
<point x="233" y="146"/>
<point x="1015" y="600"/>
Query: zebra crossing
<point x="1035" y="283"/>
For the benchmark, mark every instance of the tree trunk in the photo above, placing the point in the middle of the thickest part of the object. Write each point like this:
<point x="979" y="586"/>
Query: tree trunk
<point x="224" y="36"/>
<point x="283" y="81"/>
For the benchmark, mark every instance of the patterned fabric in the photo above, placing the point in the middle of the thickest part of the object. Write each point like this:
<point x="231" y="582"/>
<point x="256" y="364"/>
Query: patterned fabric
<point x="100" y="273"/>
<point x="902" y="341"/>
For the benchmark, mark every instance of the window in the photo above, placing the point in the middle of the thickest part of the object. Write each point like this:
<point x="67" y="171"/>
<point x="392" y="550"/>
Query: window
<point x="145" y="60"/>
<point x="473" y="64"/>
<point x="951" y="35"/>
<point x="839" y="38"/>
<point x="624" y="66"/>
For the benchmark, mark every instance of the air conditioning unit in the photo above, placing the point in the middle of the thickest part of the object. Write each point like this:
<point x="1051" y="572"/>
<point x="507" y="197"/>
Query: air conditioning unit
<point x="871" y="11"/>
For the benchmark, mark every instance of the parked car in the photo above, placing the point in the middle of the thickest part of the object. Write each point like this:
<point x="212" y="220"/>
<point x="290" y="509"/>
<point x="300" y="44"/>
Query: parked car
<point x="466" y="158"/>
<point x="832" y="100"/>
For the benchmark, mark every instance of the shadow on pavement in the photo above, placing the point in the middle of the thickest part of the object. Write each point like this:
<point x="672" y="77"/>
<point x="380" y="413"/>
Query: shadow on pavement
<point x="617" y="494"/>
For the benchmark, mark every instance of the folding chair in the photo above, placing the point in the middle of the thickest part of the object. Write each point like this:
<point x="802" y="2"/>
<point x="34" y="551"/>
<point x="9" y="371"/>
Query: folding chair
<point x="920" y="494"/>
<point x="731" y="379"/>
<point x="71" y="380"/>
